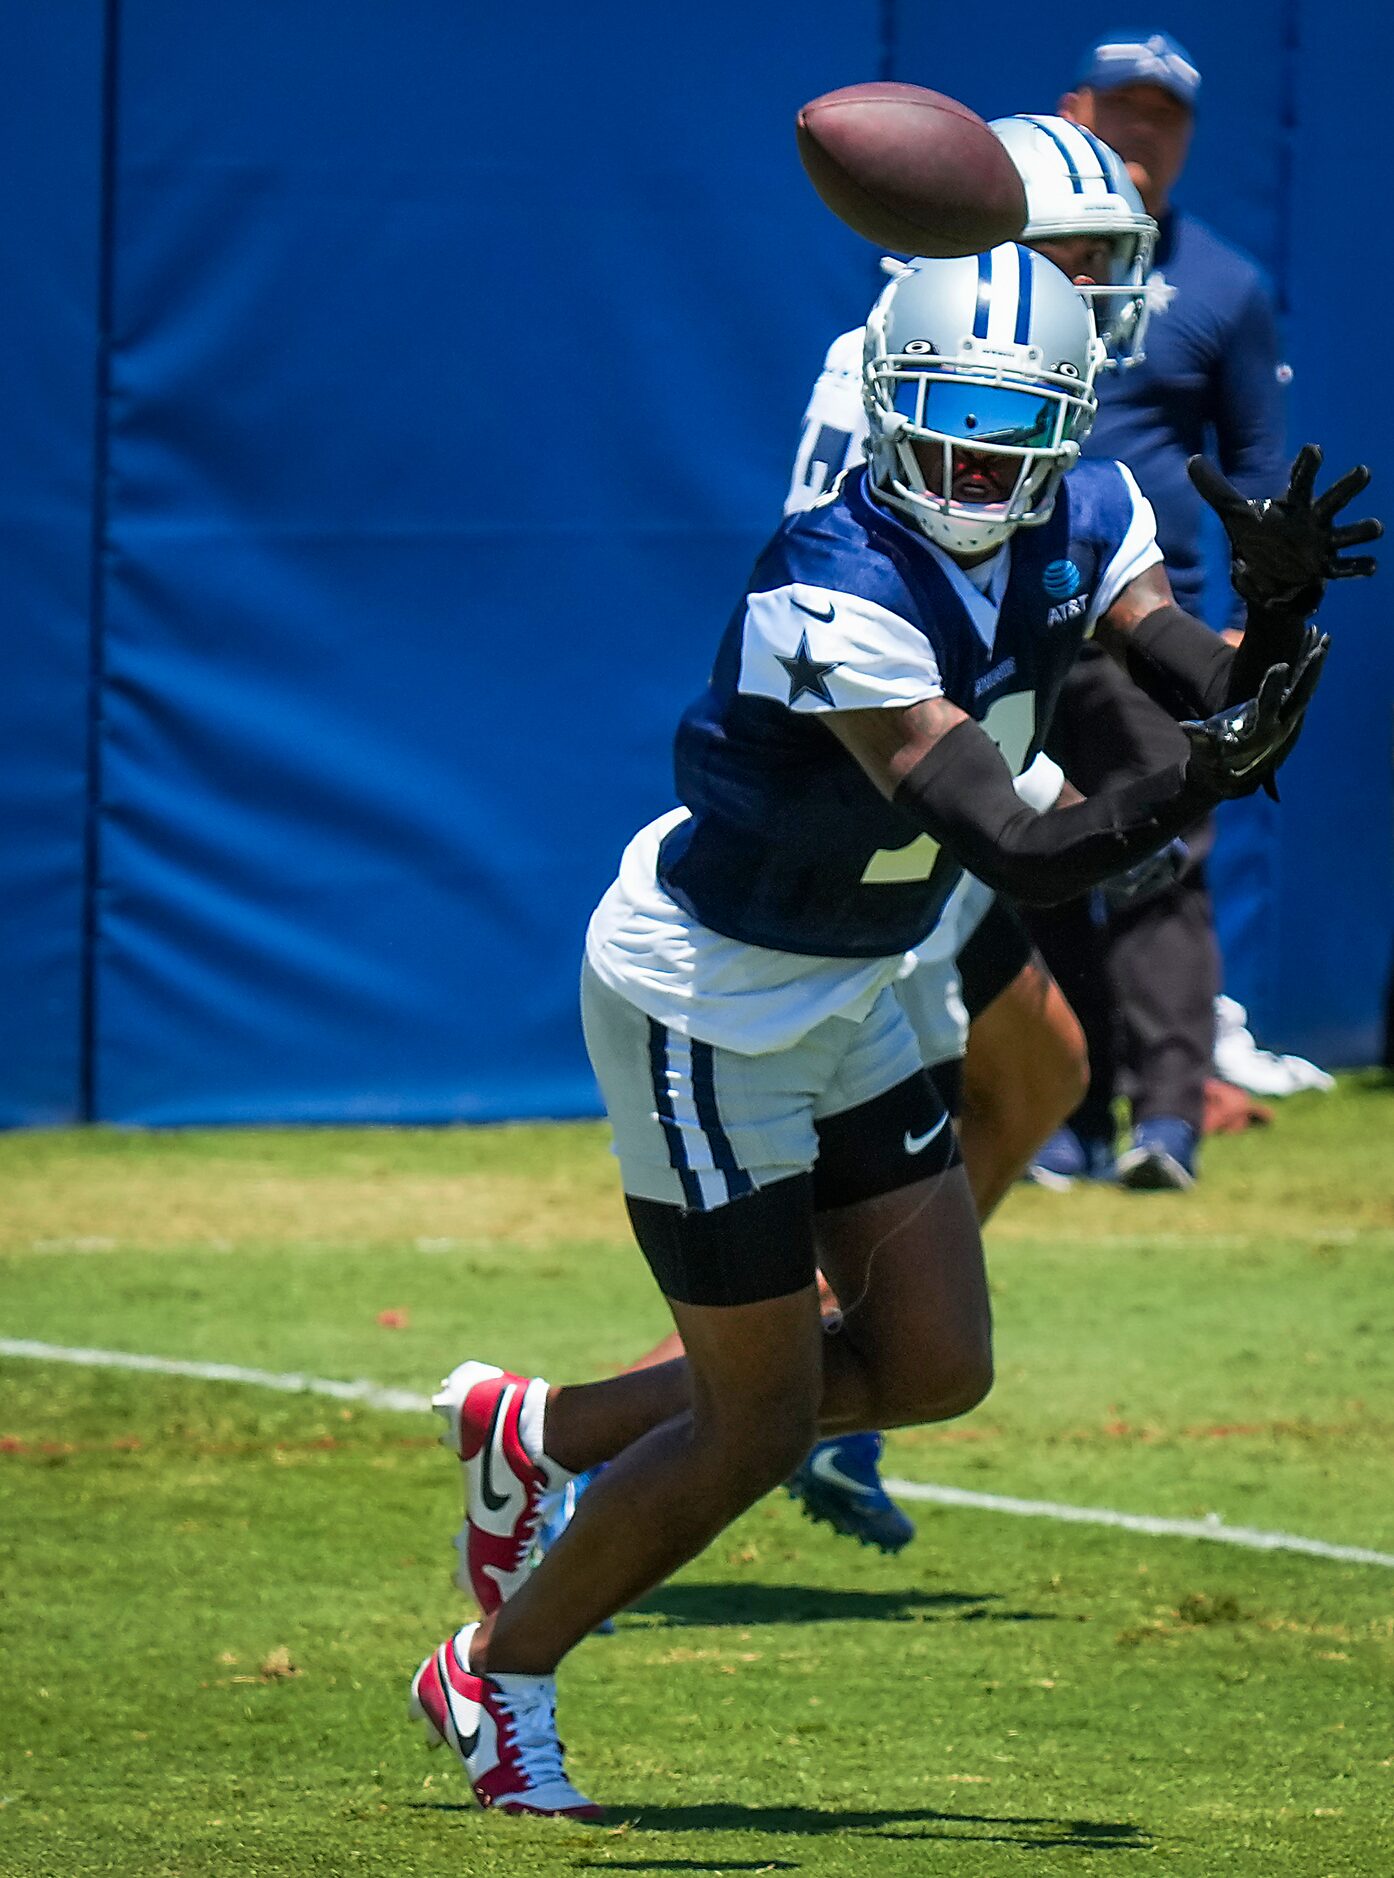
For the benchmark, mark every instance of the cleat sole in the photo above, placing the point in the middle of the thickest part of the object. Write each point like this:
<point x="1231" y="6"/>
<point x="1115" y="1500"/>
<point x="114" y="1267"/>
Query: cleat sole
<point x="1148" y="1171"/>
<point x="1048" y="1180"/>
<point x="578" y="1815"/>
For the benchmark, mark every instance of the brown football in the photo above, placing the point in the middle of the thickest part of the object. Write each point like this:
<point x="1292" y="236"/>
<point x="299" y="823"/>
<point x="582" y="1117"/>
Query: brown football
<point x="911" y="170"/>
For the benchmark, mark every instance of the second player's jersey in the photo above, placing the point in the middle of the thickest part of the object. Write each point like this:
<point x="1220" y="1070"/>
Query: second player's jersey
<point x="834" y="425"/>
<point x="788" y="844"/>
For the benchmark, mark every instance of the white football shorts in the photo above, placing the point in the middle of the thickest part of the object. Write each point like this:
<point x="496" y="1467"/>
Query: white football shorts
<point x="696" y="1125"/>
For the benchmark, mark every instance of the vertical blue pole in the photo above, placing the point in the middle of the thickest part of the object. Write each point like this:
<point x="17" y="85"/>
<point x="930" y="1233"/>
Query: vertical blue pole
<point x="89" y="1102"/>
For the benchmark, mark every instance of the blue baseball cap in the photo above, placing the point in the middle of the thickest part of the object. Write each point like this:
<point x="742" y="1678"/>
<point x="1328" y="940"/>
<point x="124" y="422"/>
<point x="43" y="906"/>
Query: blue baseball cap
<point x="1141" y="59"/>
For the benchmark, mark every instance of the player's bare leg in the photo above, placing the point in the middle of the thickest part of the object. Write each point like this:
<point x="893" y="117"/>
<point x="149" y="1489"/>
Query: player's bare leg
<point x="915" y="1347"/>
<point x="668" y="1349"/>
<point x="1024" y="1073"/>
<point x="591" y="1422"/>
<point x="915" y="1341"/>
<point x="755" y="1374"/>
<point x="839" y="1480"/>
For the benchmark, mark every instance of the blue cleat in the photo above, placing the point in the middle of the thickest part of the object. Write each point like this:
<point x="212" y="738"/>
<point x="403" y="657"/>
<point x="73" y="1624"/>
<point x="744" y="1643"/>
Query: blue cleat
<point x="1162" y="1156"/>
<point x="557" y="1511"/>
<point x="840" y="1485"/>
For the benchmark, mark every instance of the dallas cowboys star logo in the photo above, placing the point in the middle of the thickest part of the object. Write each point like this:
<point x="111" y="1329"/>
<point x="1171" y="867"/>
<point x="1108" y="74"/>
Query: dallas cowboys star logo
<point x="807" y="674"/>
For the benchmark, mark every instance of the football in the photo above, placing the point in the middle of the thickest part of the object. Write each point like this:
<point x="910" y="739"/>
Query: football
<point x="911" y="170"/>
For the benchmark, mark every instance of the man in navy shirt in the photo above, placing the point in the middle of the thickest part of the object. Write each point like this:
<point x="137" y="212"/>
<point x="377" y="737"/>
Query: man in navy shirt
<point x="1211" y="381"/>
<point x="1143" y="978"/>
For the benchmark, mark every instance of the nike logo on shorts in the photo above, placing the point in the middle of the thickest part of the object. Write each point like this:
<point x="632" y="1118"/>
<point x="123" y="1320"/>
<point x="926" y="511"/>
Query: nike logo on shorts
<point x="813" y="612"/>
<point x="916" y="1144"/>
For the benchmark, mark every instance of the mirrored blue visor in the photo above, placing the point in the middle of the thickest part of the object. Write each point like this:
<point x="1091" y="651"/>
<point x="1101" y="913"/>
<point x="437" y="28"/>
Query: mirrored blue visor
<point x="980" y="413"/>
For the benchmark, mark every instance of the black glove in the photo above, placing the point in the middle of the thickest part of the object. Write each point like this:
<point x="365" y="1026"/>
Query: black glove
<point x="1145" y="879"/>
<point x="1284" y="552"/>
<point x="1235" y="751"/>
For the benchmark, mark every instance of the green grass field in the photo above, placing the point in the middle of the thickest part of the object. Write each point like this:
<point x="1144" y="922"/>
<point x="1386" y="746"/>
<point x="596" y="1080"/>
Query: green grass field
<point x="213" y="1595"/>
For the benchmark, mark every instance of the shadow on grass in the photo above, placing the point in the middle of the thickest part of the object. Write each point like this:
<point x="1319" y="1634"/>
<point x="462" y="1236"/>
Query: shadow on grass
<point x="925" y="1822"/>
<point x="739" y="1606"/>
<point x="682" y="1864"/>
<point x="902" y="1823"/>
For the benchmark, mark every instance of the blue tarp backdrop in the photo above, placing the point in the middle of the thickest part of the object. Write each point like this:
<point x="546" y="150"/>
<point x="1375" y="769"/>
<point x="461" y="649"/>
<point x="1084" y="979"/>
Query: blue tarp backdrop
<point x="396" y="395"/>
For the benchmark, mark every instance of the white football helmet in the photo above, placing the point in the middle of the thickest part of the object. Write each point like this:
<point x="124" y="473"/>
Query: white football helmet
<point x="1076" y="185"/>
<point x="994" y="354"/>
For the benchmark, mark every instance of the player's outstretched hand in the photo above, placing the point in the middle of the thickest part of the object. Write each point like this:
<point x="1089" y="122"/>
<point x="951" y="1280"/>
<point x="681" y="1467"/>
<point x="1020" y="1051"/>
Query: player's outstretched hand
<point x="1284" y="552"/>
<point x="1238" y="749"/>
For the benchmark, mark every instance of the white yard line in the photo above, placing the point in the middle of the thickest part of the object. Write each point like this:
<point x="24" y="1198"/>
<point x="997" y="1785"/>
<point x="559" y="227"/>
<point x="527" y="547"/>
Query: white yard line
<point x="1212" y="1527"/>
<point x="289" y="1382"/>
<point x="373" y="1395"/>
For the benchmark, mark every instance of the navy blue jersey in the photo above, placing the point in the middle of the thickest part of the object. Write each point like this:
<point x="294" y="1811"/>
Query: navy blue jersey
<point x="790" y="845"/>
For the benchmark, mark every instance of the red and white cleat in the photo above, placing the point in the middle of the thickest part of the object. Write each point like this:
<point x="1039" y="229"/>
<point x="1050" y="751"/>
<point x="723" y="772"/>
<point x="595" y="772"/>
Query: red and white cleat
<point x="504" y="1730"/>
<point x="494" y="1424"/>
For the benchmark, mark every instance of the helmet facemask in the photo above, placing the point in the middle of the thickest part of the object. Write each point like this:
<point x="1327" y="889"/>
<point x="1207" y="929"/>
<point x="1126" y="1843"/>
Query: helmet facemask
<point x="1122" y="306"/>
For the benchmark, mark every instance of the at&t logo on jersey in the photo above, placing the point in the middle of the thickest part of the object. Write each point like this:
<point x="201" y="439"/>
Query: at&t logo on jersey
<point x="1060" y="579"/>
<point x="1068" y="610"/>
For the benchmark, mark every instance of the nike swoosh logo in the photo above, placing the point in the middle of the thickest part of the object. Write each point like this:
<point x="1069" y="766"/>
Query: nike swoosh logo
<point x="812" y="612"/>
<point x="455" y="1699"/>
<point x="827" y="1469"/>
<point x="486" y="1486"/>
<point x="916" y="1144"/>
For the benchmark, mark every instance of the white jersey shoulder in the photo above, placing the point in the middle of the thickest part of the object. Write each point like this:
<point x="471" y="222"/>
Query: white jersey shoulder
<point x="834" y="424"/>
<point x="817" y="649"/>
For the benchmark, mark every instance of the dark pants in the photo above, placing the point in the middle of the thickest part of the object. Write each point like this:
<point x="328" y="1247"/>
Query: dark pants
<point x="1142" y="979"/>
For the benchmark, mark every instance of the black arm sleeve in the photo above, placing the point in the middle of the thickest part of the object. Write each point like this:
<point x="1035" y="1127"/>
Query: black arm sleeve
<point x="962" y="794"/>
<point x="1272" y="636"/>
<point x="1180" y="663"/>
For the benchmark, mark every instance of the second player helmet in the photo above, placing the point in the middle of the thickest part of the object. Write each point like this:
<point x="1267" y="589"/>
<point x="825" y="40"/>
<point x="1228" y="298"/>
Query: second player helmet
<point x="1075" y="185"/>
<point x="992" y="355"/>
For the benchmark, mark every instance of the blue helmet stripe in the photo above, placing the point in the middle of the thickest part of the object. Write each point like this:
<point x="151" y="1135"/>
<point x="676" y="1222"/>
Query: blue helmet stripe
<point x="1100" y="151"/>
<point x="980" y="312"/>
<point x="1023" y="297"/>
<point x="1076" y="179"/>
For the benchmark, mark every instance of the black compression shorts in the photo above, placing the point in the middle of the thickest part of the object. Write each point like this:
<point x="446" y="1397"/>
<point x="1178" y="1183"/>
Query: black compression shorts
<point x="992" y="957"/>
<point x="762" y="1245"/>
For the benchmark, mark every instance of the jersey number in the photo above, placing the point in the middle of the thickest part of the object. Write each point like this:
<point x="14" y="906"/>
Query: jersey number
<point x="1011" y="724"/>
<point x="825" y="460"/>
